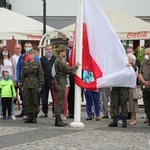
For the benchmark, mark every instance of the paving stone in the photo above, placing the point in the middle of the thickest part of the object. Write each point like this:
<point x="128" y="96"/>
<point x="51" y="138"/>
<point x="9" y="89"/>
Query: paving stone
<point x="96" y="135"/>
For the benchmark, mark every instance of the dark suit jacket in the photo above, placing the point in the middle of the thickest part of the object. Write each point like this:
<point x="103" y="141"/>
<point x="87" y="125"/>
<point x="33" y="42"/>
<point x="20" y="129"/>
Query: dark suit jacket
<point x="47" y="67"/>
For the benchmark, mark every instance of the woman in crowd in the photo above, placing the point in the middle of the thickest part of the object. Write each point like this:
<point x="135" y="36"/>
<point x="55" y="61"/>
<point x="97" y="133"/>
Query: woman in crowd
<point x="6" y="63"/>
<point x="133" y="103"/>
<point x="32" y="80"/>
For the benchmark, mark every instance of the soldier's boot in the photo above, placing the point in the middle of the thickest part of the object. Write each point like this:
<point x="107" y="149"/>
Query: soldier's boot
<point x="34" y="120"/>
<point x="59" y="122"/>
<point x="114" y="122"/>
<point x="29" y="120"/>
<point x="124" y="122"/>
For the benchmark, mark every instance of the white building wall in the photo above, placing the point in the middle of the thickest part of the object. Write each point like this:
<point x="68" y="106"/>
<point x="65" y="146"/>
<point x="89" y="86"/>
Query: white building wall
<point x="69" y="7"/>
<point x="61" y="13"/>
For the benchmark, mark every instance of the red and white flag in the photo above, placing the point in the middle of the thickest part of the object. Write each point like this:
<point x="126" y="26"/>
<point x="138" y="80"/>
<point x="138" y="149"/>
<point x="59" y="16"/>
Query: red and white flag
<point x="103" y="52"/>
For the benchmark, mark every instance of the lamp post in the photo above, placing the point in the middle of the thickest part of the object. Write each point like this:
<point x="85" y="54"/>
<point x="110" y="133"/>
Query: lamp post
<point x="3" y="3"/>
<point x="44" y="17"/>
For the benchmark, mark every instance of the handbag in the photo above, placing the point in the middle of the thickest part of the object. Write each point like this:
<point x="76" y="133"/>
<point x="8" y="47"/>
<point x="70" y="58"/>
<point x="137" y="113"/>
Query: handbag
<point x="53" y="85"/>
<point x="137" y="93"/>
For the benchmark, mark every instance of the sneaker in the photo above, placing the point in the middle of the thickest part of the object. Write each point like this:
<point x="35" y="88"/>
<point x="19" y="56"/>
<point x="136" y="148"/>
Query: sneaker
<point x="64" y="118"/>
<point x="105" y="117"/>
<point x="43" y="116"/>
<point x="120" y="122"/>
<point x="9" y="118"/>
<point x="25" y="117"/>
<point x="4" y="118"/>
<point x="13" y="117"/>
<point x="54" y="116"/>
<point x="20" y="115"/>
<point x="70" y="116"/>
<point x="146" y="121"/>
<point x="97" y="118"/>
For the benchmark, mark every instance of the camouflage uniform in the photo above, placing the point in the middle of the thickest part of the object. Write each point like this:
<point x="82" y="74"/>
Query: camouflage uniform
<point x="32" y="79"/>
<point x="62" y="69"/>
<point x="120" y="97"/>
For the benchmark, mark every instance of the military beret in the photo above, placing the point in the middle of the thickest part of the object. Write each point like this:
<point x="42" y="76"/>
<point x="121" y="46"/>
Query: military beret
<point x="31" y="51"/>
<point x="61" y="47"/>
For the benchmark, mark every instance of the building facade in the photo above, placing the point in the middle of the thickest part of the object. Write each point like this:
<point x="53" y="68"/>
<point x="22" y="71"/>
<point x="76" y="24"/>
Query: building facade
<point x="61" y="13"/>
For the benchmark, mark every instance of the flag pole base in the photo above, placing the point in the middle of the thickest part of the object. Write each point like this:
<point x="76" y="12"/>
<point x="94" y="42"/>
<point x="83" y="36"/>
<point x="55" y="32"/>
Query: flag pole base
<point x="77" y="124"/>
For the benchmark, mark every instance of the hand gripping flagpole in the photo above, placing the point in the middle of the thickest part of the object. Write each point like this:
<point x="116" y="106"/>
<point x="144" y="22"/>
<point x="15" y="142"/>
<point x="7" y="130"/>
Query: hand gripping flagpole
<point x="79" y="36"/>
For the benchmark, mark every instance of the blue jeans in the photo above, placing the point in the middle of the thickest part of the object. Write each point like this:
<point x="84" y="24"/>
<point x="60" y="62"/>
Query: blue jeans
<point x="92" y="98"/>
<point x="44" y="96"/>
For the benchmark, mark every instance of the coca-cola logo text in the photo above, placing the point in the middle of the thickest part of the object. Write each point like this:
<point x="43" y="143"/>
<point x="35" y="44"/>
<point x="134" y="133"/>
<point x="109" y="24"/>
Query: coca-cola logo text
<point x="34" y="37"/>
<point x="141" y="34"/>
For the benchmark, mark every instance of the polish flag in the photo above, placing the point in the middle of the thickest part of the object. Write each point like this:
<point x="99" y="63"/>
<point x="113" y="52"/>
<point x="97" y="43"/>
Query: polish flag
<point x="103" y="53"/>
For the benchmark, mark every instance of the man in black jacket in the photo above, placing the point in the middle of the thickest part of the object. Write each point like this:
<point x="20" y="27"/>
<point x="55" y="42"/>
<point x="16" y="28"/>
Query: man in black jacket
<point x="47" y="62"/>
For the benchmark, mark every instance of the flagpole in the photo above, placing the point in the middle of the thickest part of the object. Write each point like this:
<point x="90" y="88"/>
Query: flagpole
<point x="79" y="36"/>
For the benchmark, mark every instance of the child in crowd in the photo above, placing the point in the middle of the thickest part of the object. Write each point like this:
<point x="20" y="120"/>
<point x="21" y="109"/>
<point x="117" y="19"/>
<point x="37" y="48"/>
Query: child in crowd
<point x="7" y="92"/>
<point x="92" y="97"/>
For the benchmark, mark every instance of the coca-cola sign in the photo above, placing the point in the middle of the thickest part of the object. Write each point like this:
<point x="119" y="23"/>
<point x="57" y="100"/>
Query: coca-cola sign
<point x="141" y="34"/>
<point x="34" y="37"/>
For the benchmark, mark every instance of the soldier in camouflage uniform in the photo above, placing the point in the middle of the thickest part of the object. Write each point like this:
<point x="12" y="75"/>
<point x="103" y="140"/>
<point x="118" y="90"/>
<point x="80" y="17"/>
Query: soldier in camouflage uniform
<point x="62" y="69"/>
<point x="32" y="80"/>
<point x="119" y="97"/>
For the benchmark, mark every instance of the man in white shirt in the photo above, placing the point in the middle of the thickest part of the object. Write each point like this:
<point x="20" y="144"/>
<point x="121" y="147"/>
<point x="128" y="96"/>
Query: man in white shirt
<point x="15" y="57"/>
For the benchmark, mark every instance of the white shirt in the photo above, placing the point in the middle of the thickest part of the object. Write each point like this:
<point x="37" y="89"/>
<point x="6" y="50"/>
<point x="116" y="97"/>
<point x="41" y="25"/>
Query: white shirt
<point x="7" y="66"/>
<point x="16" y="57"/>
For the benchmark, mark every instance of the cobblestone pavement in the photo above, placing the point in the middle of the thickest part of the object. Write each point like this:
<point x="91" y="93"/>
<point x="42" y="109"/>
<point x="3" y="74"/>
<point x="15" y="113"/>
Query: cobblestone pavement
<point x="96" y="135"/>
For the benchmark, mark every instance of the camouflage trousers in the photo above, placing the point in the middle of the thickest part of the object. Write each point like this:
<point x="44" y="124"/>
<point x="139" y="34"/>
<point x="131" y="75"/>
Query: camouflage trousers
<point x="60" y="102"/>
<point x="146" y="100"/>
<point x="119" y="97"/>
<point x="31" y="96"/>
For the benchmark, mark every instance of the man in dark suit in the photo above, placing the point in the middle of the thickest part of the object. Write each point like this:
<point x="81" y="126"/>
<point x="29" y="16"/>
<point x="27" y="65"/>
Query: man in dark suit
<point x="47" y="62"/>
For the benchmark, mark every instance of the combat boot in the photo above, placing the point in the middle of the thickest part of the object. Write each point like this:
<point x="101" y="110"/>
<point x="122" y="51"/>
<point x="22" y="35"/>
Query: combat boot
<point x="29" y="120"/>
<point x="124" y="122"/>
<point x="114" y="122"/>
<point x="59" y="122"/>
<point x="34" y="119"/>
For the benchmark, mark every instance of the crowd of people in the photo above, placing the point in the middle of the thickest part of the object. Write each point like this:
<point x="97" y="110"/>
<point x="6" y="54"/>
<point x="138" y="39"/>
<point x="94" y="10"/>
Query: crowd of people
<point x="33" y="78"/>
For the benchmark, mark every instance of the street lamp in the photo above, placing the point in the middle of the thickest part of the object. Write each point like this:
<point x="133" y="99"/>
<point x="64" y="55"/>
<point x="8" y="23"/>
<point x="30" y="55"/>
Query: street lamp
<point x="2" y="3"/>
<point x="44" y="17"/>
<point x="5" y="4"/>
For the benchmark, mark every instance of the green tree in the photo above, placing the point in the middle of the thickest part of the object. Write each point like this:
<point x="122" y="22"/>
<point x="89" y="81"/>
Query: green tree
<point x="140" y="54"/>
